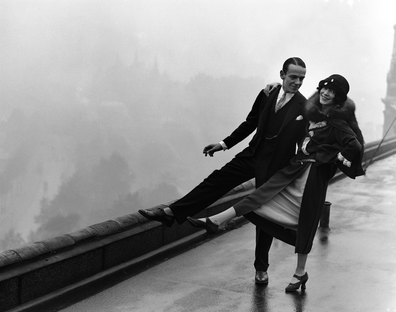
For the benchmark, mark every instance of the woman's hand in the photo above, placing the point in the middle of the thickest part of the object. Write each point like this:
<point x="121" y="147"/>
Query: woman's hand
<point x="344" y="161"/>
<point x="270" y="87"/>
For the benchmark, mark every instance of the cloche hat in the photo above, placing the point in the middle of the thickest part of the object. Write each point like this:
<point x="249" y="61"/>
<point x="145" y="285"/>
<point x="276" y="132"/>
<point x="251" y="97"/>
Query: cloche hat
<point x="337" y="83"/>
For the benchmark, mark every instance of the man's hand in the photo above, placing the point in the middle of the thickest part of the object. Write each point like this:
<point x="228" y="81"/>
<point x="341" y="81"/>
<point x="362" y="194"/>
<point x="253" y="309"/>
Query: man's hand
<point x="270" y="87"/>
<point x="212" y="148"/>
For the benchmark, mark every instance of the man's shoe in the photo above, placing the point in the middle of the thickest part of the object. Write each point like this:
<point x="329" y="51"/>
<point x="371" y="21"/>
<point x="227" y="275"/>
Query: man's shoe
<point x="261" y="277"/>
<point x="158" y="215"/>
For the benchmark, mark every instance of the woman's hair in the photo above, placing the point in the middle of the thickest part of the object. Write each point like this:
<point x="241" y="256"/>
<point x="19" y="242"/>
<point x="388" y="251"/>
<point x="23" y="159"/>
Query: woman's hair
<point x="292" y="60"/>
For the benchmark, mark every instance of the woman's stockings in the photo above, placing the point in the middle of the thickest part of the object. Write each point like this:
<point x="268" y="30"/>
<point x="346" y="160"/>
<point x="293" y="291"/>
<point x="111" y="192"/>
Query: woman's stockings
<point x="300" y="269"/>
<point x="222" y="217"/>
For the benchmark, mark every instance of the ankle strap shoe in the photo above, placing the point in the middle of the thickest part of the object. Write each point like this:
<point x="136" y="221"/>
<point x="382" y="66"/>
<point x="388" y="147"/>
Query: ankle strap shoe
<point x="295" y="286"/>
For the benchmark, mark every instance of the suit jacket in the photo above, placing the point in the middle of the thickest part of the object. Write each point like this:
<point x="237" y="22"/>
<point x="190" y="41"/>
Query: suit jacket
<point x="283" y="148"/>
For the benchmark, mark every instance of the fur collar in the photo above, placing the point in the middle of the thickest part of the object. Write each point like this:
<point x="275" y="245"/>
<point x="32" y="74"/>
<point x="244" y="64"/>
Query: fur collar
<point x="344" y="111"/>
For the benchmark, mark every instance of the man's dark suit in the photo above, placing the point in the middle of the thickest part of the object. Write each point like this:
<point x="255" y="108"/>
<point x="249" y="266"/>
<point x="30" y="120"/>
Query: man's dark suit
<point x="260" y="160"/>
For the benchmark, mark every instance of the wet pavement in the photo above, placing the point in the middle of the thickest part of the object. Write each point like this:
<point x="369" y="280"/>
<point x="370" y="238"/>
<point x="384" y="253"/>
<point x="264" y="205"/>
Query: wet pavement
<point x="352" y="266"/>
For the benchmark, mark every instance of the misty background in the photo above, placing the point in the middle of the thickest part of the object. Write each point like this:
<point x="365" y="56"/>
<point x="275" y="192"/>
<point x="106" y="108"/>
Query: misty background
<point x="106" y="105"/>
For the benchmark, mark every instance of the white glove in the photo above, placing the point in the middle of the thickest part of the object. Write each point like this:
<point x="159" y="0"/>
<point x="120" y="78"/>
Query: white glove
<point x="344" y="161"/>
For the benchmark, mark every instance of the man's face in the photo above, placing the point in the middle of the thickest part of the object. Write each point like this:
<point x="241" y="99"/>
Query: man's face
<point x="293" y="79"/>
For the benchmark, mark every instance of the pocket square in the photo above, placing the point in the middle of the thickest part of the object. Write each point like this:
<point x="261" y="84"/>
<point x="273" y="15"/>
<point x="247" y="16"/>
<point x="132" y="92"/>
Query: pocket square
<point x="300" y="117"/>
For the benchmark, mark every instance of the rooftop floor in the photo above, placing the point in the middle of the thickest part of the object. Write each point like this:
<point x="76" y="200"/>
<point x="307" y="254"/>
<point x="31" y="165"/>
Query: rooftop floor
<point x="352" y="266"/>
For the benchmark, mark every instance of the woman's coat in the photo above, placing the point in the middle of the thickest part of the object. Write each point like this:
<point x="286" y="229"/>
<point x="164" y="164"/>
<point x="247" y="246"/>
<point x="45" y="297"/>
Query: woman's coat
<point x="342" y="135"/>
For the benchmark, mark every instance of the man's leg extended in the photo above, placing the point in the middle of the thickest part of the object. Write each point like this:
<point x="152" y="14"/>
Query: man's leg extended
<point x="216" y="185"/>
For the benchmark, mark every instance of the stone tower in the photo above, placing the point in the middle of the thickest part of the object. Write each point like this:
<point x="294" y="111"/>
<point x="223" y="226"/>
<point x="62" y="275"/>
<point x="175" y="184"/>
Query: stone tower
<point x="390" y="99"/>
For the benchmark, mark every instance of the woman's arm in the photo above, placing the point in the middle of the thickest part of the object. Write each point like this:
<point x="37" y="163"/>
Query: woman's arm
<point x="351" y="153"/>
<point x="350" y="146"/>
<point x="271" y="87"/>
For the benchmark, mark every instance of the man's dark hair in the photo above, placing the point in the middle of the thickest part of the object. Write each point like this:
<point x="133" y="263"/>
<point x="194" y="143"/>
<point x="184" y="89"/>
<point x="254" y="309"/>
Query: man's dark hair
<point x="292" y="60"/>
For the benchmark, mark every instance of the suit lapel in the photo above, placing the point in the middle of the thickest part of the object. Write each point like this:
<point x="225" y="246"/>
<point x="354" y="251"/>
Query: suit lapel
<point x="293" y="112"/>
<point x="265" y="112"/>
<point x="271" y="102"/>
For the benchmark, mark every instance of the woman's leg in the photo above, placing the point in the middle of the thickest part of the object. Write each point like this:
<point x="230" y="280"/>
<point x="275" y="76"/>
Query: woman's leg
<point x="300" y="276"/>
<point x="221" y="217"/>
<point x="300" y="269"/>
<point x="261" y="195"/>
<point x="212" y="224"/>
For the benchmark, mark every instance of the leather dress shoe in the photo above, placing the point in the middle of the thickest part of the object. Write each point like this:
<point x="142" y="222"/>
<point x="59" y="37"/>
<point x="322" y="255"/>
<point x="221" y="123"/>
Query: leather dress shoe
<point x="261" y="277"/>
<point x="158" y="215"/>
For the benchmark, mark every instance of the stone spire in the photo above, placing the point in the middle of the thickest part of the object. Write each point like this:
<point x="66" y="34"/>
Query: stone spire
<point x="390" y="99"/>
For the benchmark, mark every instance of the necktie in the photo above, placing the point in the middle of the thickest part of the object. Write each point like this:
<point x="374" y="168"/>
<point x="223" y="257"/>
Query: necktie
<point x="281" y="102"/>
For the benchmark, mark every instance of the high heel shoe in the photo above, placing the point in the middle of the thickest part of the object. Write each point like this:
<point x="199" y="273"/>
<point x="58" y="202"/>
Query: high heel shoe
<point x="209" y="226"/>
<point x="295" y="286"/>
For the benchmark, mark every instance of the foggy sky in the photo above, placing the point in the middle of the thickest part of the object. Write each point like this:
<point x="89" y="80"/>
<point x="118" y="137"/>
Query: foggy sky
<point x="67" y="39"/>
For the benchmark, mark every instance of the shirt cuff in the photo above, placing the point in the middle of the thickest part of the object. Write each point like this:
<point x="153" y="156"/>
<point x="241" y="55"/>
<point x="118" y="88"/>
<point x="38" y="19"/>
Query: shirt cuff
<point x="223" y="145"/>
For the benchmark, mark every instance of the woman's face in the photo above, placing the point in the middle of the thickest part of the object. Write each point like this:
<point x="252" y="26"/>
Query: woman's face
<point x="326" y="96"/>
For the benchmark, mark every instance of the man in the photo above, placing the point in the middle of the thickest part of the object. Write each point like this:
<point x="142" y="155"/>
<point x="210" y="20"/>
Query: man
<point x="277" y="119"/>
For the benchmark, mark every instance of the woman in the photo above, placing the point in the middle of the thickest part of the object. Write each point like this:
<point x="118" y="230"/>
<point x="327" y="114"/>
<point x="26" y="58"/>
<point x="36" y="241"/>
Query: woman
<point x="290" y="204"/>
